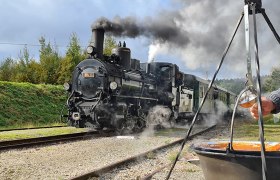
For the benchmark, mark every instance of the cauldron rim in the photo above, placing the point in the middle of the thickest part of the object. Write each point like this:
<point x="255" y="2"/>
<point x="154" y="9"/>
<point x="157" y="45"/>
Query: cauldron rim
<point x="236" y="153"/>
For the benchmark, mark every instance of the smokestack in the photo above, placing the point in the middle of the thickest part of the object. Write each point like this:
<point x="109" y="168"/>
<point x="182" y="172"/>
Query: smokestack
<point x="97" y="39"/>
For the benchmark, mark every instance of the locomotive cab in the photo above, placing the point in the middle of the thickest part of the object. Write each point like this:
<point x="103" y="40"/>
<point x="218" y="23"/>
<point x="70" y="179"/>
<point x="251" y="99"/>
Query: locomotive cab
<point x="170" y="90"/>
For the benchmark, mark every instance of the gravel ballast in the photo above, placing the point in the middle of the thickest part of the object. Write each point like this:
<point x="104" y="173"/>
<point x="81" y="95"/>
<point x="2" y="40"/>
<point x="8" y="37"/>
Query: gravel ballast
<point x="66" y="160"/>
<point x="183" y="169"/>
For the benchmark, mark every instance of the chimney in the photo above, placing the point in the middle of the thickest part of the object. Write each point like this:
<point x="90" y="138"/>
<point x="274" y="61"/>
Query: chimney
<point x="97" y="39"/>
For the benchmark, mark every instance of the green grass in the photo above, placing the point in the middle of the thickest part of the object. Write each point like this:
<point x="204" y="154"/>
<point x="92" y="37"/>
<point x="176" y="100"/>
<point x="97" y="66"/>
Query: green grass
<point x="33" y="133"/>
<point x="169" y="132"/>
<point x="151" y="155"/>
<point x="250" y="131"/>
<point x="30" y="105"/>
<point x="31" y="125"/>
<point x="173" y="154"/>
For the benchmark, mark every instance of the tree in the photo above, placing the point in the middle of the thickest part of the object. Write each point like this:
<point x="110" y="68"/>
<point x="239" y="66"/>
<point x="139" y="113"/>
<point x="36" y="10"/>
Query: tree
<point x="272" y="83"/>
<point x="7" y="69"/>
<point x="34" y="70"/>
<point x="109" y="44"/>
<point x="49" y="61"/>
<point x="74" y="51"/>
<point x="21" y="66"/>
<point x="233" y="85"/>
<point x="73" y="56"/>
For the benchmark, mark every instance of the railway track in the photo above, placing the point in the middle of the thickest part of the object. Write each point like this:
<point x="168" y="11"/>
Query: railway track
<point x="44" y="127"/>
<point x="99" y="172"/>
<point x="26" y="143"/>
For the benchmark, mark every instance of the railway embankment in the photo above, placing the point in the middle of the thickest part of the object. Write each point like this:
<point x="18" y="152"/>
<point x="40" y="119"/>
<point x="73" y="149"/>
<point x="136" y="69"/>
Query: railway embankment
<point x="26" y="104"/>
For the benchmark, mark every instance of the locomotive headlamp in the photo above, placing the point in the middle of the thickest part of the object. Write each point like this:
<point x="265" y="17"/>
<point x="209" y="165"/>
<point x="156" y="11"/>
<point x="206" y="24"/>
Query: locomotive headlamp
<point x="67" y="86"/>
<point x="76" y="116"/>
<point x="113" y="85"/>
<point x="90" y="49"/>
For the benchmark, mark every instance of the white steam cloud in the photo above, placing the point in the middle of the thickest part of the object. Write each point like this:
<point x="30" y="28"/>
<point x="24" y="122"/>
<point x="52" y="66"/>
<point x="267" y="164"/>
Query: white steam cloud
<point x="157" y="116"/>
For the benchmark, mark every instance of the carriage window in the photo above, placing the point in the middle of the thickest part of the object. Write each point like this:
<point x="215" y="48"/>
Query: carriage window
<point x="179" y="79"/>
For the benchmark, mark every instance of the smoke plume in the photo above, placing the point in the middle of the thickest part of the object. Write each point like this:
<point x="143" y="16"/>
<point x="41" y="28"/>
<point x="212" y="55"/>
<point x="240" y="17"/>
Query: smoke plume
<point x="198" y="33"/>
<point x="160" y="30"/>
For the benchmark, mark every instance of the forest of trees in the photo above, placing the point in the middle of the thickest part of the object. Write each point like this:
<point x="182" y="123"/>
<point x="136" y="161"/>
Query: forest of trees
<point x="52" y="68"/>
<point x="268" y="82"/>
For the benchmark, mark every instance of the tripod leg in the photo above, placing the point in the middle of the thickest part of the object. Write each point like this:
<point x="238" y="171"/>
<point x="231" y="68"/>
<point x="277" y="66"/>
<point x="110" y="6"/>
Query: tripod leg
<point x="270" y="25"/>
<point x="247" y="41"/>
<point x="260" y="122"/>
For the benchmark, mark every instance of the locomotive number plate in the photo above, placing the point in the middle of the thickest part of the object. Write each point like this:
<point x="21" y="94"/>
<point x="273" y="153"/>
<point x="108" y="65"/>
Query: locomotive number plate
<point x="88" y="75"/>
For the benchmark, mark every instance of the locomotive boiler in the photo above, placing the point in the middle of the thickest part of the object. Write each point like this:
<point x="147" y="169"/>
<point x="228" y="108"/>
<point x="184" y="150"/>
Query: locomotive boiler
<point x="118" y="92"/>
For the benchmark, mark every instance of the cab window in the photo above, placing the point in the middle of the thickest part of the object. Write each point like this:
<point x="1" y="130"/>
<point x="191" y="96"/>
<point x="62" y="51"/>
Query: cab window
<point x="165" y="71"/>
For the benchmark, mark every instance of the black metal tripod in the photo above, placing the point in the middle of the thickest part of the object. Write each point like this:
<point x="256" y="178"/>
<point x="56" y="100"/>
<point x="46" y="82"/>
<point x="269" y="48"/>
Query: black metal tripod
<point x="251" y="7"/>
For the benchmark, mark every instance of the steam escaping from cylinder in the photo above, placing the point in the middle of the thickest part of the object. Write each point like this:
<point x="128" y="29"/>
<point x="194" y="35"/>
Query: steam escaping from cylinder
<point x="157" y="116"/>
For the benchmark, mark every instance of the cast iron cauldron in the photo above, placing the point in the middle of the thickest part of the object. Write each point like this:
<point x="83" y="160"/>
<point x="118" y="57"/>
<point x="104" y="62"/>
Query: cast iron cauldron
<point x="241" y="163"/>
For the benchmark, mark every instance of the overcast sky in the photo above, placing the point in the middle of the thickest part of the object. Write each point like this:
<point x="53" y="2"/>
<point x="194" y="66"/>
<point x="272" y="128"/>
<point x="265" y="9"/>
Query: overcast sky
<point x="192" y="33"/>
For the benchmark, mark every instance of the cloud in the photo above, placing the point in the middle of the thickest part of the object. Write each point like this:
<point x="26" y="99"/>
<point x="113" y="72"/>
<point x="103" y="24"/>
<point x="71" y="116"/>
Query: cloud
<point x="25" y="21"/>
<point x="210" y="24"/>
<point x="193" y="32"/>
<point x="198" y="33"/>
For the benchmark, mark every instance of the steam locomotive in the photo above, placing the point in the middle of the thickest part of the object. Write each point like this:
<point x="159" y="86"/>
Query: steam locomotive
<point x="118" y="92"/>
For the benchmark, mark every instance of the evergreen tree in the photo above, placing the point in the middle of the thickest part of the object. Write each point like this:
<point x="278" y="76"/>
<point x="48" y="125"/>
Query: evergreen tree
<point x="34" y="70"/>
<point x="272" y="83"/>
<point x="21" y="66"/>
<point x="7" y="69"/>
<point x="49" y="61"/>
<point x="233" y="85"/>
<point x="73" y="56"/>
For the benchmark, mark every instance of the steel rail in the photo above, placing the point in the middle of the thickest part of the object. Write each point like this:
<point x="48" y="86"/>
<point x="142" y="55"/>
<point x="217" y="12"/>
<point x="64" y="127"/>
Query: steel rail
<point x="110" y="167"/>
<point x="150" y="175"/>
<point x="26" y="143"/>
<point x="43" y="127"/>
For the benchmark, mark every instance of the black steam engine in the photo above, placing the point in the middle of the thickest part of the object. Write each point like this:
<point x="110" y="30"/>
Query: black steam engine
<point x="118" y="92"/>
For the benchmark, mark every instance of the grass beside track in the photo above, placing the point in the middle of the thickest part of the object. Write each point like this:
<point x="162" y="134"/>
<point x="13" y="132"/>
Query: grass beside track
<point x="244" y="129"/>
<point x="30" y="126"/>
<point x="250" y="132"/>
<point x="30" y="105"/>
<point x="33" y="133"/>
